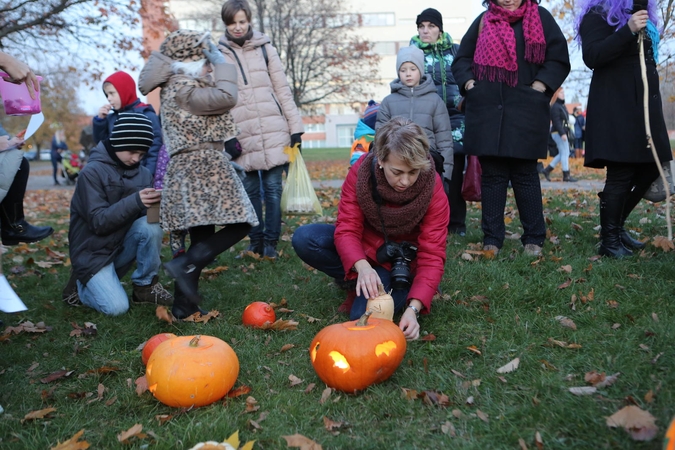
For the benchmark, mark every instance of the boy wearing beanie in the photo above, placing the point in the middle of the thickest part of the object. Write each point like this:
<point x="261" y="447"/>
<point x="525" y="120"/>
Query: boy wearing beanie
<point x="413" y="95"/>
<point x="108" y="227"/>
<point x="364" y="132"/>
<point x="120" y="90"/>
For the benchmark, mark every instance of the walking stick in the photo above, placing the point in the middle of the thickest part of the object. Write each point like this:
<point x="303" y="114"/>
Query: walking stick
<point x="648" y="129"/>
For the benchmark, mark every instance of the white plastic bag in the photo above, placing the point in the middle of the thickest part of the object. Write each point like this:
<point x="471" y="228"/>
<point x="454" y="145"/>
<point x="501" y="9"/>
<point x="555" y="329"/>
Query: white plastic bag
<point x="298" y="196"/>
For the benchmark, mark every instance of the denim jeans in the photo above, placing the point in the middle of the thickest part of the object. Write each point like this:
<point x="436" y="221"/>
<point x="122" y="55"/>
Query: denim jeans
<point x="315" y="245"/>
<point x="104" y="292"/>
<point x="563" y="153"/>
<point x="268" y="229"/>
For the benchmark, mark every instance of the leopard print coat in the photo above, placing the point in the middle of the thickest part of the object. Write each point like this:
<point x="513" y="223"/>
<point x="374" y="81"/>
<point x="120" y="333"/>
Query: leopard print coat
<point x="200" y="186"/>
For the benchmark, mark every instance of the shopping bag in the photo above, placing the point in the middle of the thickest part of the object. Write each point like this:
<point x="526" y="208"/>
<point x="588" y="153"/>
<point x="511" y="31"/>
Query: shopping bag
<point x="298" y="196"/>
<point x="656" y="192"/>
<point x="472" y="179"/>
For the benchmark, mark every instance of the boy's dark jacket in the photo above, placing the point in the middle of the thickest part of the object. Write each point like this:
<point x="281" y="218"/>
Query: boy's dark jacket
<point x="104" y="206"/>
<point x="102" y="129"/>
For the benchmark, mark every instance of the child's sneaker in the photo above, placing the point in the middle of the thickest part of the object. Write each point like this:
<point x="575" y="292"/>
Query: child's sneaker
<point x="153" y="293"/>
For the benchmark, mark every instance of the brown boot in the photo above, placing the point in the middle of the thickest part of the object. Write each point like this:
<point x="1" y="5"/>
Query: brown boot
<point x="153" y="293"/>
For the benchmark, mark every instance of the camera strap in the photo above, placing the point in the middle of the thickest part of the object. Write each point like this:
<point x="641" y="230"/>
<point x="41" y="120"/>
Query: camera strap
<point x="377" y="197"/>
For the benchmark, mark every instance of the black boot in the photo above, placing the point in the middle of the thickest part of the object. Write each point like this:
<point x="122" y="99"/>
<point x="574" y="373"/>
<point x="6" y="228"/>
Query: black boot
<point x="182" y="307"/>
<point x="255" y="247"/>
<point x="568" y="177"/>
<point x="15" y="229"/>
<point x="611" y="208"/>
<point x="547" y="173"/>
<point x="270" y="250"/>
<point x="631" y="202"/>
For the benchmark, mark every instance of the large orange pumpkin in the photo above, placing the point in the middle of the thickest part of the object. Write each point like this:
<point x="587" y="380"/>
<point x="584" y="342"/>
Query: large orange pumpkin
<point x="191" y="371"/>
<point x="257" y="314"/>
<point x="353" y="355"/>
<point x="669" y="440"/>
<point x="152" y="344"/>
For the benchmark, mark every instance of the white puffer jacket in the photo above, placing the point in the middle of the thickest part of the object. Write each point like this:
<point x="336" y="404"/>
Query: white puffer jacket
<point x="265" y="113"/>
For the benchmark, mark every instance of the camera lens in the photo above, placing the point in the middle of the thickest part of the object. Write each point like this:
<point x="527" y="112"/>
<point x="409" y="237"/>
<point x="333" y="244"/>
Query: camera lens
<point x="400" y="274"/>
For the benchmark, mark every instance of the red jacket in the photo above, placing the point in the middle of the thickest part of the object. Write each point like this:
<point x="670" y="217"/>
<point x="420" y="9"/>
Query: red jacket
<point x="355" y="239"/>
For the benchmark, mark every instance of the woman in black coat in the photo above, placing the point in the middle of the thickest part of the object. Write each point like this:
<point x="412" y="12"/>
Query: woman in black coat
<point x="615" y="127"/>
<point x="510" y="62"/>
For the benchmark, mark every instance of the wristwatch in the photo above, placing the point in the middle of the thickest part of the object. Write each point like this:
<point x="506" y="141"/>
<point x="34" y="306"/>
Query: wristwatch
<point x="417" y="311"/>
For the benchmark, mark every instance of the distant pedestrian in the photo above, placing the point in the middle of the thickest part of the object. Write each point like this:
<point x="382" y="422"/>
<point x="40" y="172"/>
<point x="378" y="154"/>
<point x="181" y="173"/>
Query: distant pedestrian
<point x="58" y="146"/>
<point x="511" y="61"/>
<point x="579" y="130"/>
<point x="615" y="132"/>
<point x="560" y="132"/>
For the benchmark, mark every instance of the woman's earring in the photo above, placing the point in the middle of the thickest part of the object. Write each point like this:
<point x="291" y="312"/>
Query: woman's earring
<point x="380" y="167"/>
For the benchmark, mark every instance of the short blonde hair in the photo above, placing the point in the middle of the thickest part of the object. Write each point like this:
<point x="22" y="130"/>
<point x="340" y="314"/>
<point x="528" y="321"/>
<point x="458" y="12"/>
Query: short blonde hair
<point x="404" y="138"/>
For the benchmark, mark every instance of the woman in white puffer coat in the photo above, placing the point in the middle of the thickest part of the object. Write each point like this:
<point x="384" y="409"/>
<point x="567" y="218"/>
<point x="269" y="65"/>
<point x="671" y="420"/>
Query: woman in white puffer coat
<point x="267" y="117"/>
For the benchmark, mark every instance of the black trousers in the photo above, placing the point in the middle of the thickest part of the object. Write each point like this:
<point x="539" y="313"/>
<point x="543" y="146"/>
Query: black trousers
<point x="634" y="179"/>
<point x="522" y="173"/>
<point x="455" y="199"/>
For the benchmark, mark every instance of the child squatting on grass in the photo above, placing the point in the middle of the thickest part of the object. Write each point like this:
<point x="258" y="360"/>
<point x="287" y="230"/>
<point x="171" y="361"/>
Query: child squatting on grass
<point x="393" y="207"/>
<point x="108" y="224"/>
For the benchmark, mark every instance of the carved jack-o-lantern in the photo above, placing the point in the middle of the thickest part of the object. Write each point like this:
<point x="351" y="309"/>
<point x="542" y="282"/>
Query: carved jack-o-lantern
<point x="353" y="355"/>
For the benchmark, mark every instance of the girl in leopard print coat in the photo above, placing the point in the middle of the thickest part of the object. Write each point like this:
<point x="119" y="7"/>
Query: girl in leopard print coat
<point x="201" y="188"/>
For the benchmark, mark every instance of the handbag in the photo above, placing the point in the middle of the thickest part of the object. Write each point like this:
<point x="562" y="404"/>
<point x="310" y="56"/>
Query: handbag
<point x="298" y="196"/>
<point x="472" y="179"/>
<point x="657" y="192"/>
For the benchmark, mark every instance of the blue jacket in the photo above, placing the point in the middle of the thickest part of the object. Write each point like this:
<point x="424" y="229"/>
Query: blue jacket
<point x="103" y="127"/>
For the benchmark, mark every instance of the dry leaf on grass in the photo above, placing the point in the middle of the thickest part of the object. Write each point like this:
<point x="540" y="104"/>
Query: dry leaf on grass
<point x="510" y="367"/>
<point x="301" y="442"/>
<point x="538" y="441"/>
<point x="325" y="395"/>
<point x="600" y="380"/>
<point x="236" y="392"/>
<point x="583" y="390"/>
<point x="73" y="443"/>
<point x="141" y="385"/>
<point x="663" y="243"/>
<point x="474" y="349"/>
<point x="202" y="318"/>
<point x="294" y="380"/>
<point x="639" y="423"/>
<point x="135" y="431"/>
<point x="281" y="325"/>
<point x="449" y="428"/>
<point x="566" y="322"/>
<point x="286" y="347"/>
<point x="331" y="425"/>
<point x="39" y="414"/>
<point x="566" y="269"/>
<point x="56" y="376"/>
<point x="482" y="416"/>
<point x="162" y="313"/>
<point x="251" y="404"/>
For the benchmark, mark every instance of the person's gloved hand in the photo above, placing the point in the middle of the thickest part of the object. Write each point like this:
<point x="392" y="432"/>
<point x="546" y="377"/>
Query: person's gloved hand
<point x="296" y="139"/>
<point x="213" y="54"/>
<point x="233" y="148"/>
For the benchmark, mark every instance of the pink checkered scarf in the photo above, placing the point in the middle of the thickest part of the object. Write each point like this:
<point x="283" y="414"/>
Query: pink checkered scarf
<point x="495" y="56"/>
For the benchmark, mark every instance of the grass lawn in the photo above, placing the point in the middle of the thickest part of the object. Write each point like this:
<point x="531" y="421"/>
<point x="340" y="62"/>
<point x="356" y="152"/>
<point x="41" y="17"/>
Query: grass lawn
<point x="491" y="312"/>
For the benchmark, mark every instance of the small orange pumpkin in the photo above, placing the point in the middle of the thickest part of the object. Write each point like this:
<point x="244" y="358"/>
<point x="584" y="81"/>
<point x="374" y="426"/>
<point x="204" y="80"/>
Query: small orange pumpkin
<point x="191" y="371"/>
<point x="257" y="314"/>
<point x="669" y="441"/>
<point x="152" y="344"/>
<point x="353" y="355"/>
<point x="382" y="306"/>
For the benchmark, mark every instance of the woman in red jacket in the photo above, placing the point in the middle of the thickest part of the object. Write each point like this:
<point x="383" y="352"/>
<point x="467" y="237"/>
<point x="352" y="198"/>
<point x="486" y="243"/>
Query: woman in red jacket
<point x="391" y="227"/>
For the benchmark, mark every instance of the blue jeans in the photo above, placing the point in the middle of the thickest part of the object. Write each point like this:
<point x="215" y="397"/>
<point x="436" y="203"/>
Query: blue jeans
<point x="104" y="292"/>
<point x="563" y="153"/>
<point x="268" y="229"/>
<point x="315" y="245"/>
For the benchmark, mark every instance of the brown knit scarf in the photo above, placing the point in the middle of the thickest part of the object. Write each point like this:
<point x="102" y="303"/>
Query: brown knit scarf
<point x="400" y="211"/>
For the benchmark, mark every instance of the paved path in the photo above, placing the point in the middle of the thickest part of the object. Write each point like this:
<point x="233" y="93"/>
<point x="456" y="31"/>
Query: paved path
<point x="38" y="180"/>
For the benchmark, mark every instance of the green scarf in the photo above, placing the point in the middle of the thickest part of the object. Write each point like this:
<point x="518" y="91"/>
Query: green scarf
<point x="436" y="50"/>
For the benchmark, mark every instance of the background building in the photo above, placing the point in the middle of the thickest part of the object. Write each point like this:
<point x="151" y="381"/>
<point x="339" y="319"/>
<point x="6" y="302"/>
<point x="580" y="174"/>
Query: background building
<point x="388" y="24"/>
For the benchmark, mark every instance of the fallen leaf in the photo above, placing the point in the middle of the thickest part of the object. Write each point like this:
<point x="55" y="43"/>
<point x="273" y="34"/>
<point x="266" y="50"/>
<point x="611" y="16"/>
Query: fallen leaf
<point x="202" y="318"/>
<point x="510" y="367"/>
<point x="310" y="387"/>
<point x="331" y="425"/>
<point x="538" y="441"/>
<point x="649" y="396"/>
<point x="639" y="423"/>
<point x="56" y="375"/>
<point x="608" y="381"/>
<point x="428" y="337"/>
<point x="241" y="390"/>
<point x="655" y="318"/>
<point x="300" y="441"/>
<point x="39" y="414"/>
<point x="162" y="313"/>
<point x="566" y="269"/>
<point x="287" y="347"/>
<point x="459" y="374"/>
<point x="325" y="395"/>
<point x="281" y="325"/>
<point x="73" y="443"/>
<point x="449" y="428"/>
<point x="141" y="385"/>
<point x="583" y="390"/>
<point x="251" y="404"/>
<point x="663" y="243"/>
<point x="134" y="431"/>
<point x="566" y="284"/>
<point x="294" y="380"/>
<point x="482" y="416"/>
<point x="163" y="418"/>
<point x="523" y="445"/>
<point x="474" y="349"/>
<point x="565" y="322"/>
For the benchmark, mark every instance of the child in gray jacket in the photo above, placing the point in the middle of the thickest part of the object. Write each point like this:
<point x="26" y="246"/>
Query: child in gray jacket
<point x="413" y="96"/>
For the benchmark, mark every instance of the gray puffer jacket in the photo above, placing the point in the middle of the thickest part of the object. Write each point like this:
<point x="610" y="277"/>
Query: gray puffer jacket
<point x="422" y="105"/>
<point x="104" y="206"/>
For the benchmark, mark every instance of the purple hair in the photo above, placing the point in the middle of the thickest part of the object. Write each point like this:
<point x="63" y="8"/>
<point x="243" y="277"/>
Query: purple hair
<point x="616" y="12"/>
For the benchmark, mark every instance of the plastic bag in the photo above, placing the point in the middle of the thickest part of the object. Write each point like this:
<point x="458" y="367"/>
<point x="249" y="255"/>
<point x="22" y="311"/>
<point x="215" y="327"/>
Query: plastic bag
<point x="472" y="179"/>
<point x="298" y="196"/>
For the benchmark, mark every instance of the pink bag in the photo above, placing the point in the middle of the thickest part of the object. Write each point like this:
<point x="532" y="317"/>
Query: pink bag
<point x="472" y="179"/>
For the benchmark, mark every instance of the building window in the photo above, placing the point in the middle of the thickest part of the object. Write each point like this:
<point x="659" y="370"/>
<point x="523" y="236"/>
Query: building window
<point x="377" y="20"/>
<point x="345" y="135"/>
<point x="385" y="48"/>
<point x="313" y="143"/>
<point x="315" y="127"/>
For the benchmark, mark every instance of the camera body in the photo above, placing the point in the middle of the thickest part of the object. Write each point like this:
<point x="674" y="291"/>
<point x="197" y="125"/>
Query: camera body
<point x="399" y="254"/>
<point x="639" y="5"/>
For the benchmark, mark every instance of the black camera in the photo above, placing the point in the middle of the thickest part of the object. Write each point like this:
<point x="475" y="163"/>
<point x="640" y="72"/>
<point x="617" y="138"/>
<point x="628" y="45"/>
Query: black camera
<point x="639" y="5"/>
<point x="400" y="255"/>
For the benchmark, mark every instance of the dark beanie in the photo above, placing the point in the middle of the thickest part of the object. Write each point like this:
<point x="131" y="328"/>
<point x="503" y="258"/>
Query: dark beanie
<point x="431" y="15"/>
<point x="131" y="132"/>
<point x="370" y="114"/>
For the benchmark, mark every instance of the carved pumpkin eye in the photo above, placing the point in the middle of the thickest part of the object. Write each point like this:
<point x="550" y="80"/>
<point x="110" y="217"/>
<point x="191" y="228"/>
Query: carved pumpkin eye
<point x="385" y="348"/>
<point x="339" y="361"/>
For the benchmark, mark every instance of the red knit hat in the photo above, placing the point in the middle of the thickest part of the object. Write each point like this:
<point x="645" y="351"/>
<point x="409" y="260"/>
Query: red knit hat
<point x="125" y="86"/>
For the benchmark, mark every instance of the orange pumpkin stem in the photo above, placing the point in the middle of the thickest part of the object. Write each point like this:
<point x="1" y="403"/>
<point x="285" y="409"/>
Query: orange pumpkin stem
<point x="195" y="341"/>
<point x="363" y="321"/>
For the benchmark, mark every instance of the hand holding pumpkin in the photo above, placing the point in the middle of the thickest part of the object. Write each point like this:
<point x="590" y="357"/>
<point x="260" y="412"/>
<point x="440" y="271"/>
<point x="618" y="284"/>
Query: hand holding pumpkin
<point x="368" y="281"/>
